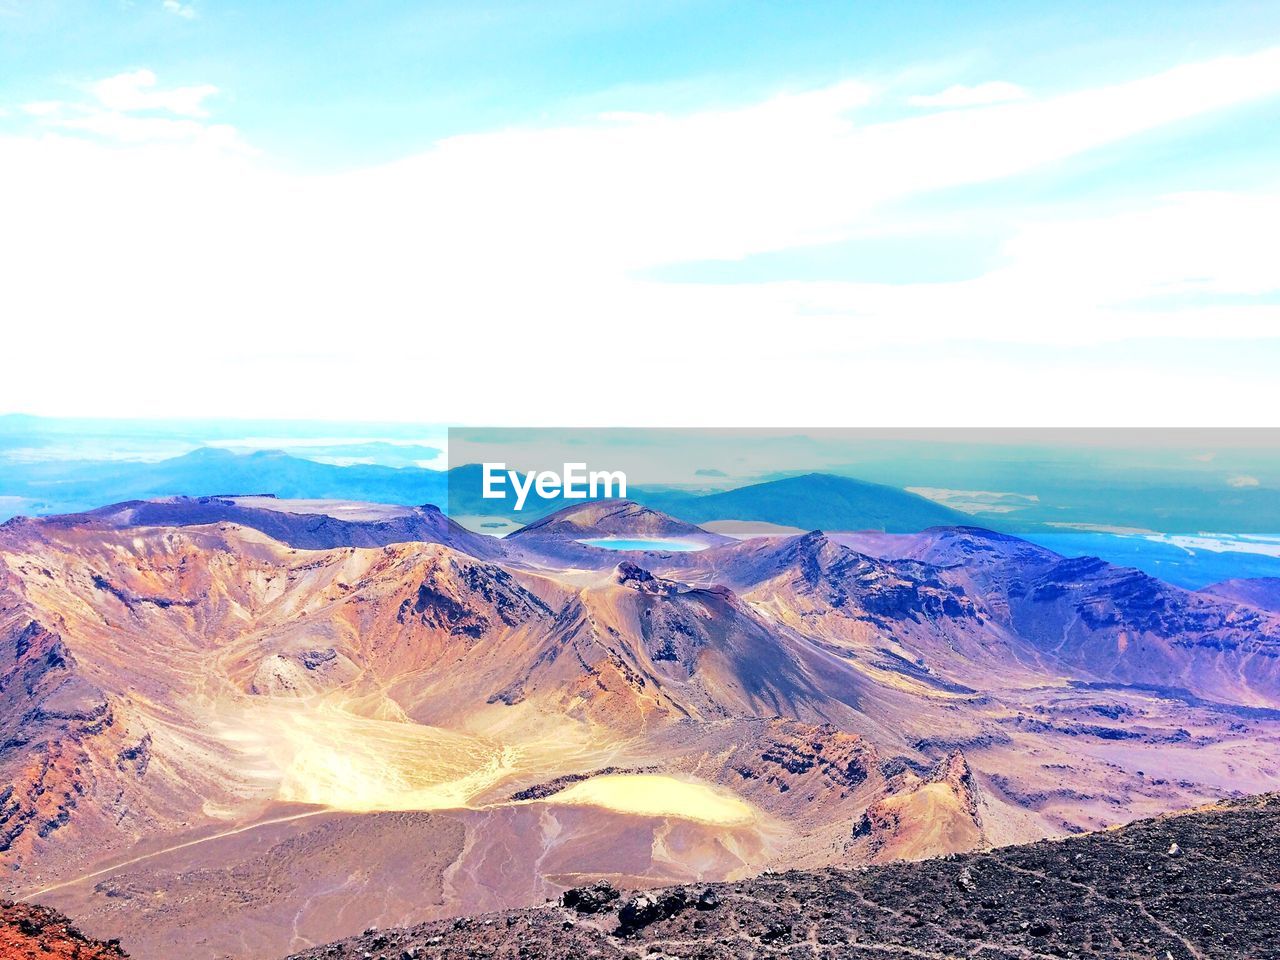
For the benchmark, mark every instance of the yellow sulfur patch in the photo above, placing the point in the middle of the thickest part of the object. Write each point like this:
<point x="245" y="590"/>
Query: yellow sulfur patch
<point x="655" y="795"/>
<point x="325" y="755"/>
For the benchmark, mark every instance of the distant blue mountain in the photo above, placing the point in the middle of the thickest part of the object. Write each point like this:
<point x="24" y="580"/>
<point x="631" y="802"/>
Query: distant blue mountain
<point x="811" y="502"/>
<point x="46" y="487"/>
<point x="815" y="501"/>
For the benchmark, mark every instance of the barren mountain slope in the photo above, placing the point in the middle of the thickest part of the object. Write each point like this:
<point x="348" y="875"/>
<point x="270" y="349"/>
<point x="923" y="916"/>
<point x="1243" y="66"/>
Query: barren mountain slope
<point x="210" y="679"/>
<point x="208" y="731"/>
<point x="309" y="524"/>
<point x="1260" y="592"/>
<point x="1194" y="886"/>
<point x="1094" y="619"/>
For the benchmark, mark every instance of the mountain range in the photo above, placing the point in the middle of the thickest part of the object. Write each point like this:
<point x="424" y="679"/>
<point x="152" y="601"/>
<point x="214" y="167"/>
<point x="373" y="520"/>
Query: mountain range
<point x="62" y="486"/>
<point x="245" y="725"/>
<point x="56" y="486"/>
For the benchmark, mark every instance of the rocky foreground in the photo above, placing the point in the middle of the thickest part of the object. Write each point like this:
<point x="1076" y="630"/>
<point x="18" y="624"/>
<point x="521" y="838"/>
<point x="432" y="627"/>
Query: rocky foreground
<point x="1192" y="886"/>
<point x="28" y="932"/>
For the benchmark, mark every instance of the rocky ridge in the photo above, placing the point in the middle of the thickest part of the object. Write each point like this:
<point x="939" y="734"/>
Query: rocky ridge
<point x="1200" y="885"/>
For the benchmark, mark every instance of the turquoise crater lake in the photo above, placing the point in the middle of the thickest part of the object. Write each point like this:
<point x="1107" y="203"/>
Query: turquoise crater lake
<point x="624" y="543"/>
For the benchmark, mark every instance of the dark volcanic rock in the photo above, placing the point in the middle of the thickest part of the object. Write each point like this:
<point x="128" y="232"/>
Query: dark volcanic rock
<point x="646" y="908"/>
<point x="597" y="898"/>
<point x="551" y="787"/>
<point x="1198" y="886"/>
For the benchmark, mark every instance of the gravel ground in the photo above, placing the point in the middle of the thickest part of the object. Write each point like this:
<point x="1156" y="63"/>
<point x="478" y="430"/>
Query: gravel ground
<point x="1197" y="886"/>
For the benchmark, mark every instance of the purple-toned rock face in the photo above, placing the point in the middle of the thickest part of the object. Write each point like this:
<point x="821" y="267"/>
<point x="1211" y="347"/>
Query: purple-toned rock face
<point x="1260" y="592"/>
<point x="299" y="526"/>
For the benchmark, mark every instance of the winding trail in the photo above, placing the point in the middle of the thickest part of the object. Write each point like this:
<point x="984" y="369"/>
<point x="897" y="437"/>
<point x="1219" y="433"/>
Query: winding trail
<point x="177" y="846"/>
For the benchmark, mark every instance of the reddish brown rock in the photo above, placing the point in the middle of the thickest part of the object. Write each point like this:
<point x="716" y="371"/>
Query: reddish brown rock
<point x="29" y="931"/>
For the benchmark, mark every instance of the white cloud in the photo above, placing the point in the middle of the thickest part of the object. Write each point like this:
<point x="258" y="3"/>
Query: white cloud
<point x="977" y="501"/>
<point x="137" y="90"/>
<point x="978" y="95"/>
<point x="184" y="10"/>
<point x="1242" y="482"/>
<point x="183" y="276"/>
<point x="42" y="108"/>
<point x="1091" y="280"/>
<point x="1219" y="543"/>
<point x="128" y="129"/>
<point x="131" y="108"/>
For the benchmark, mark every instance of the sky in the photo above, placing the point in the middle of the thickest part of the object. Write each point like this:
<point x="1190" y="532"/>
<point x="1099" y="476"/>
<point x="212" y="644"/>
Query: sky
<point x="668" y="213"/>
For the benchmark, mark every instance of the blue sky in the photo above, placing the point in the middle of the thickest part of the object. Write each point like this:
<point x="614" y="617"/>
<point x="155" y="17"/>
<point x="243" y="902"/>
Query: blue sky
<point x="328" y="85"/>
<point x="1037" y="195"/>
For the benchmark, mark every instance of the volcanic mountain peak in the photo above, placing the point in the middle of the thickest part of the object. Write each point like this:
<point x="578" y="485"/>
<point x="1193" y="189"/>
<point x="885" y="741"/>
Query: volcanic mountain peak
<point x="978" y="546"/>
<point x="845" y="580"/>
<point x="924" y="816"/>
<point x="813" y="550"/>
<point x="811" y="555"/>
<point x="612" y="518"/>
<point x="955" y="772"/>
<point x="466" y="596"/>
<point x="815" y="500"/>
<point x="709" y="652"/>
